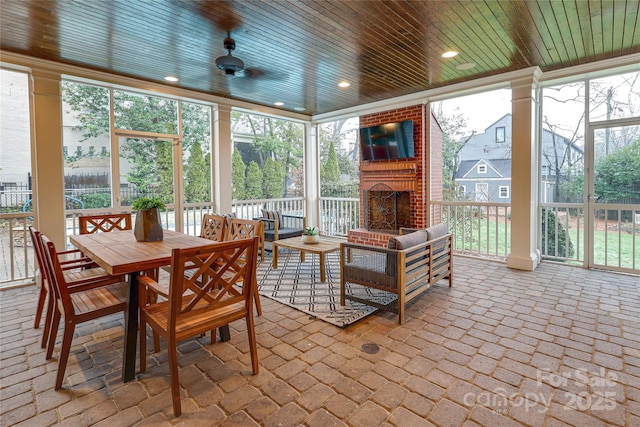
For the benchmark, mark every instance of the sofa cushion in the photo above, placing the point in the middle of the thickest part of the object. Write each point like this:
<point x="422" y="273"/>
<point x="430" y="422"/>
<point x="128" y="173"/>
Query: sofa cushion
<point x="403" y="242"/>
<point x="273" y="215"/>
<point x="408" y="240"/>
<point x="283" y="233"/>
<point x="437" y="231"/>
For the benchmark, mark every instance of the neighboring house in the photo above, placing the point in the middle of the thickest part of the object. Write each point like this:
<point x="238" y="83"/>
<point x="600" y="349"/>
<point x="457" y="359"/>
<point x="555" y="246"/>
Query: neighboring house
<point x="485" y="180"/>
<point x="484" y="165"/>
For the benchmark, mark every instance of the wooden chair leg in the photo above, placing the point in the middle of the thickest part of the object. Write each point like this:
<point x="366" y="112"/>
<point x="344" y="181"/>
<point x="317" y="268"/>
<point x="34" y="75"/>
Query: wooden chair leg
<point x="55" y="322"/>
<point x="64" y="352"/>
<point x="41" y="298"/>
<point x="256" y="297"/>
<point x="253" y="350"/>
<point x="156" y="342"/>
<point x="172" y="352"/>
<point x="143" y="344"/>
<point x="51" y="307"/>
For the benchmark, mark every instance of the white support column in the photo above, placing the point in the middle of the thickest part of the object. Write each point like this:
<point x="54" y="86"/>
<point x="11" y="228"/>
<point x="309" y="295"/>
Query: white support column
<point x="48" y="163"/>
<point x="312" y="174"/>
<point x="222" y="154"/>
<point x="524" y="177"/>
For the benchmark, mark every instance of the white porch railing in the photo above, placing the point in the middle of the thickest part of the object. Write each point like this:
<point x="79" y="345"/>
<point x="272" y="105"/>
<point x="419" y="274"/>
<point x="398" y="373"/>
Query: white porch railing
<point x="478" y="228"/>
<point x="569" y="221"/>
<point x="616" y="236"/>
<point x="17" y="258"/>
<point x="249" y="209"/>
<point x="339" y="215"/>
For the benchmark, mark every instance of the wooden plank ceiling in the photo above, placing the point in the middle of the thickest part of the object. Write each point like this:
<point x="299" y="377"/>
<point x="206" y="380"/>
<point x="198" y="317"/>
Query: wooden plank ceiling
<point x="296" y="52"/>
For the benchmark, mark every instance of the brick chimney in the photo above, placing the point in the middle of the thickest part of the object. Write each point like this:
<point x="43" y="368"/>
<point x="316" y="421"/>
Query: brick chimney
<point x="408" y="177"/>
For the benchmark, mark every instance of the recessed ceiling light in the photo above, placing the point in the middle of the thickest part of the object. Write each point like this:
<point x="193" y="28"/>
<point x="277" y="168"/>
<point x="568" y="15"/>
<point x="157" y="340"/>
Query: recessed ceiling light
<point x="299" y="108"/>
<point x="344" y="84"/>
<point x="466" y="66"/>
<point x="171" y="79"/>
<point x="279" y="103"/>
<point x="449" y="54"/>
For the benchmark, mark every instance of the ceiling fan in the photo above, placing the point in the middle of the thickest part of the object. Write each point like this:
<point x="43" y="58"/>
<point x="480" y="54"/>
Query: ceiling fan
<point x="229" y="63"/>
<point x="234" y="67"/>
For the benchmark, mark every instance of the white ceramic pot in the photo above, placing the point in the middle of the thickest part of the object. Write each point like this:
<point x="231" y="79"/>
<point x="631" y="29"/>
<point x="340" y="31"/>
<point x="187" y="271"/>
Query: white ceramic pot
<point x="310" y="239"/>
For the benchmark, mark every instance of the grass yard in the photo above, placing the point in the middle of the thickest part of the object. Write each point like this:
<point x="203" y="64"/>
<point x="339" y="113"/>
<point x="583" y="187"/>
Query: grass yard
<point x="611" y="248"/>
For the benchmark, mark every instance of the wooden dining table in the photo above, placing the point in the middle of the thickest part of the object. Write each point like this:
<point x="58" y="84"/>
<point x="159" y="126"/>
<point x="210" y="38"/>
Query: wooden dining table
<point x="119" y="253"/>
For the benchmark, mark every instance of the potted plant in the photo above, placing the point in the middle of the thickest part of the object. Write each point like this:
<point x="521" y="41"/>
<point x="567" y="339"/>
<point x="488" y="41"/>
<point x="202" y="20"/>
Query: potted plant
<point x="310" y="235"/>
<point x="148" y="227"/>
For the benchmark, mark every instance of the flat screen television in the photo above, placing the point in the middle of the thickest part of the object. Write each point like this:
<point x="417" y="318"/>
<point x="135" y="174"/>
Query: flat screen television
<point x="389" y="141"/>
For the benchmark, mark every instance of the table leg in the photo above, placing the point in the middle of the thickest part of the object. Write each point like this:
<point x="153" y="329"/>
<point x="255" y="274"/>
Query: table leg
<point x="274" y="250"/>
<point x="225" y="333"/>
<point x="131" y="330"/>
<point x="301" y="256"/>
<point x="323" y="272"/>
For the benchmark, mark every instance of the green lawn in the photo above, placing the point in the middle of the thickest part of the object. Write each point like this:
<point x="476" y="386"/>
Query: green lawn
<point x="483" y="239"/>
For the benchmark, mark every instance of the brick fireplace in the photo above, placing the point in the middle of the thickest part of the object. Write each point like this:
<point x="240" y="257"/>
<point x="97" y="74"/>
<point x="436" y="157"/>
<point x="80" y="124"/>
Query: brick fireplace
<point x="394" y="193"/>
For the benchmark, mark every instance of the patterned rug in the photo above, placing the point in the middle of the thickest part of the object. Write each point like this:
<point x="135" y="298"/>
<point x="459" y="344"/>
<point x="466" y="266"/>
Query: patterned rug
<point x="297" y="284"/>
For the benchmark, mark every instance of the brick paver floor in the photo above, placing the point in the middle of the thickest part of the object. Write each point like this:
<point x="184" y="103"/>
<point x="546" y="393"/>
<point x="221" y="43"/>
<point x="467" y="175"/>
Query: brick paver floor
<point x="556" y="347"/>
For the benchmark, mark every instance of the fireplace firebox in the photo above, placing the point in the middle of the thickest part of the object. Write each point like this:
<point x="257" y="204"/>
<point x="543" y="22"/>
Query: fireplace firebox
<point x="387" y="210"/>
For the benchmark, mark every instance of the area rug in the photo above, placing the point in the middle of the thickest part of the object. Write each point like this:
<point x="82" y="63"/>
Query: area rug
<point x="297" y="284"/>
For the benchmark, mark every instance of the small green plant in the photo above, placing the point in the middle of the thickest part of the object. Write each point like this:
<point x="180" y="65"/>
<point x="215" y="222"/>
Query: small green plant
<point x="144" y="203"/>
<point x="310" y="231"/>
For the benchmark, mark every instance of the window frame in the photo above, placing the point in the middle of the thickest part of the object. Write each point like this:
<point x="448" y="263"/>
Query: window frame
<point x="506" y="189"/>
<point x="481" y="168"/>
<point x="501" y="134"/>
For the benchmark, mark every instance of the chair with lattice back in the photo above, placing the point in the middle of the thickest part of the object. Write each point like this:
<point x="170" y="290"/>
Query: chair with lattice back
<point x="213" y="227"/>
<point x="243" y="229"/>
<point x="206" y="299"/>
<point x="90" y="224"/>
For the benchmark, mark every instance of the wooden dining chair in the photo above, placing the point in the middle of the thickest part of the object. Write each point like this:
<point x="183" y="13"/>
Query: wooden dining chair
<point x="77" y="304"/>
<point x="90" y="224"/>
<point x="213" y="227"/>
<point x="207" y="299"/>
<point x="76" y="273"/>
<point x="242" y="229"/>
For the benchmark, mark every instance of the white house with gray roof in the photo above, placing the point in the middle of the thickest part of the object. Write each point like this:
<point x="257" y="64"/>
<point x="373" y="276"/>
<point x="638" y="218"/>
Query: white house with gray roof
<point x="484" y="165"/>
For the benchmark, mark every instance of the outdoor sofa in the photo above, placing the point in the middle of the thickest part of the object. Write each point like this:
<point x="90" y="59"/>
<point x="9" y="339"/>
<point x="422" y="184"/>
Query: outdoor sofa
<point x="389" y="278"/>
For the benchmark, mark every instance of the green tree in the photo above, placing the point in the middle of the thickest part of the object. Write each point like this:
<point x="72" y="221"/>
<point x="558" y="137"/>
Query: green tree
<point x="254" y="181"/>
<point x="196" y="188"/>
<point x="273" y="138"/>
<point x="617" y="177"/>
<point x="90" y="106"/>
<point x="238" y="170"/>
<point x="164" y="171"/>
<point x="453" y="140"/>
<point x="329" y="170"/>
<point x="273" y="179"/>
<point x="333" y="137"/>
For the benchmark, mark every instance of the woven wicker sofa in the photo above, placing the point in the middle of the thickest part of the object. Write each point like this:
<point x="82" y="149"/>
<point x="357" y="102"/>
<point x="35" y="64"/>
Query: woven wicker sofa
<point x="410" y="264"/>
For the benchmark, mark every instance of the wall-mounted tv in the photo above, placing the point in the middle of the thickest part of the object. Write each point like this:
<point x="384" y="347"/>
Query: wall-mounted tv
<point x="390" y="141"/>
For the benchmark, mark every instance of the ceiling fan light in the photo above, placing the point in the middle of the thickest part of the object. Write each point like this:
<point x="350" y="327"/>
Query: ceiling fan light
<point x="229" y="64"/>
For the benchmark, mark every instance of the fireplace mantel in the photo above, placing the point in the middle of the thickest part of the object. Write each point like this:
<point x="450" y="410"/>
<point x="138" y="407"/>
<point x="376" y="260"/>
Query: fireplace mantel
<point x="400" y="176"/>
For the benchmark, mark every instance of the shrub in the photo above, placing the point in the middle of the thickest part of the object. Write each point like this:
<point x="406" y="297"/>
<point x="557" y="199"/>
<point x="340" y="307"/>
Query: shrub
<point x="551" y="225"/>
<point x="96" y="200"/>
<point x="144" y="203"/>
